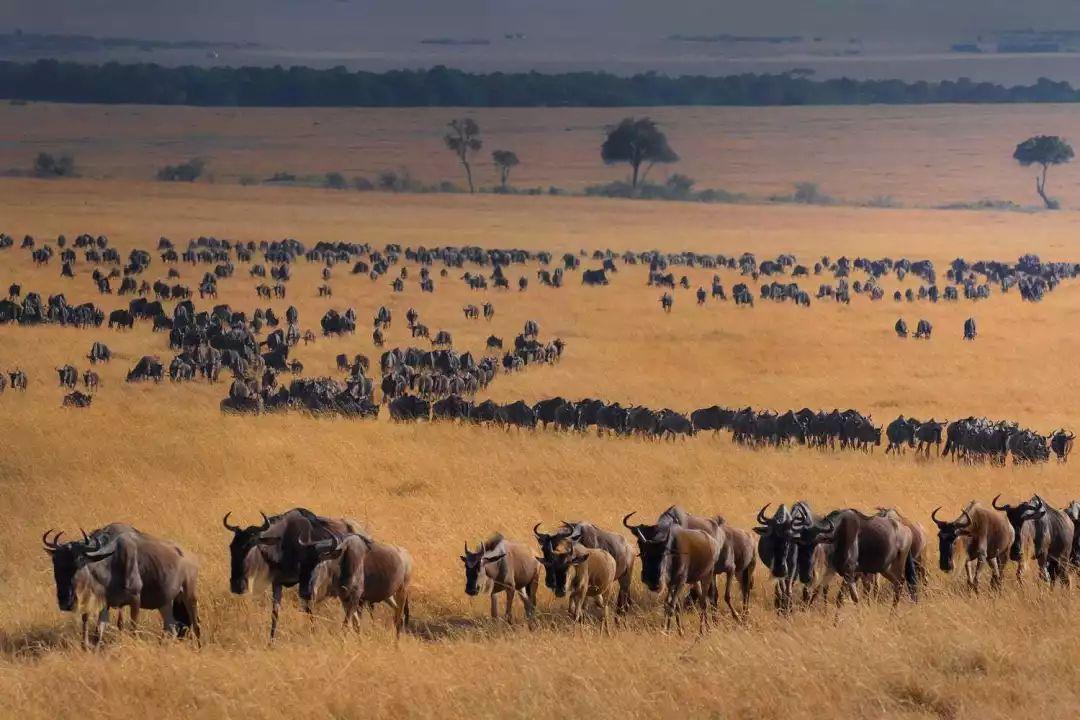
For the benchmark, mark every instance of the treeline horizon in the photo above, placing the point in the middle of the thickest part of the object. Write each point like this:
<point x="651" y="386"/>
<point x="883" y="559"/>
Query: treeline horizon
<point x="299" y="86"/>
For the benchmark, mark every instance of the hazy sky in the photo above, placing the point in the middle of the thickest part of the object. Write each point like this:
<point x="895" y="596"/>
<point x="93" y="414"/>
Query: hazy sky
<point x="306" y="23"/>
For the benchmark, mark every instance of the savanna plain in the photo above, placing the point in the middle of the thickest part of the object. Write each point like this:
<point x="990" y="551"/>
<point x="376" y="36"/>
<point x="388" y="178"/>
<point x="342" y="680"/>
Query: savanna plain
<point x="164" y="458"/>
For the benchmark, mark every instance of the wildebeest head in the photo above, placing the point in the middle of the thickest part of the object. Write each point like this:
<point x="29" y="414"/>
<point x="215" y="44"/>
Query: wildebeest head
<point x="777" y="540"/>
<point x="948" y="533"/>
<point x="244" y="541"/>
<point x="312" y="555"/>
<point x="558" y="554"/>
<point x="652" y="542"/>
<point x="1032" y="509"/>
<point x="68" y="559"/>
<point x="475" y="568"/>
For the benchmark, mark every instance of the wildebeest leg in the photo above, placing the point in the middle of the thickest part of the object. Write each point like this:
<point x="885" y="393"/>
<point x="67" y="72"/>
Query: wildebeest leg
<point x="102" y="623"/>
<point x="275" y="609"/>
<point x="133" y="616"/>
<point x="605" y="623"/>
<point x="727" y="595"/>
<point x="746" y="586"/>
<point x="168" y="620"/>
<point x="86" y="630"/>
<point x="622" y="601"/>
<point x="510" y="593"/>
<point x="494" y="603"/>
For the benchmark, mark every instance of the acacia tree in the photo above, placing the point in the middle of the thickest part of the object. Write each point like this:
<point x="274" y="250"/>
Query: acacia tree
<point x="1044" y="150"/>
<point x="637" y="142"/>
<point x="464" y="140"/>
<point x="505" y="161"/>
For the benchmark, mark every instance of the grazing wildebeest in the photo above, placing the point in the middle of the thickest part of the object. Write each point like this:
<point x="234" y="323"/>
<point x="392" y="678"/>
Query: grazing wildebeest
<point x="923" y="330"/>
<point x="99" y="352"/>
<point x="666" y="301"/>
<point x="865" y="545"/>
<point x="18" y="379"/>
<point x="149" y="367"/>
<point x="988" y="539"/>
<point x="1051" y="531"/>
<point x="504" y="566"/>
<point x="118" y="566"/>
<point x="409" y="407"/>
<point x="970" y="332"/>
<point x="589" y="536"/>
<point x="122" y="319"/>
<point x="359" y="572"/>
<point x="272" y="551"/>
<point x="91" y="380"/>
<point x="901" y="328"/>
<point x="494" y="343"/>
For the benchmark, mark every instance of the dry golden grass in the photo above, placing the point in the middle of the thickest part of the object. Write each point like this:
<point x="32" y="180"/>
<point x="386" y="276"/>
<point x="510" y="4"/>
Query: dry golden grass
<point x="918" y="155"/>
<point x="163" y="458"/>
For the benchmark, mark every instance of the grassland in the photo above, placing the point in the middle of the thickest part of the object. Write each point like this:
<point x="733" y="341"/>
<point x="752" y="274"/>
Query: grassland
<point x="163" y="458"/>
<point x="923" y="156"/>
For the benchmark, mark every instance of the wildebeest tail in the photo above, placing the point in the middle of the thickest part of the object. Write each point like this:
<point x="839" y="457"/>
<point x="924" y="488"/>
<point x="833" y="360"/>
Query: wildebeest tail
<point x="948" y="444"/>
<point x="911" y="572"/>
<point x="406" y="614"/>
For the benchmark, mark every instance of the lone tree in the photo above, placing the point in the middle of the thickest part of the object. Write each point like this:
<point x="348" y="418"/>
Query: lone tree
<point x="505" y="161"/>
<point x="637" y="142"/>
<point x="1045" y="150"/>
<point x="464" y="140"/>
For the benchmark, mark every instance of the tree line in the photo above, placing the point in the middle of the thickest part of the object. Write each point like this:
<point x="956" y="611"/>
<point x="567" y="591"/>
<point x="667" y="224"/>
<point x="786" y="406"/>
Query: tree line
<point x="147" y="83"/>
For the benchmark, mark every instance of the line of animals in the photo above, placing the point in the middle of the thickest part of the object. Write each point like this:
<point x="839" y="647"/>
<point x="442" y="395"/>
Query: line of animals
<point x="925" y="329"/>
<point x="682" y="557"/>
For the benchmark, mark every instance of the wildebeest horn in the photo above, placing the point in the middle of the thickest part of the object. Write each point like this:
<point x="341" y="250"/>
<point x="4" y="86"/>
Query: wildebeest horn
<point x="51" y="544"/>
<point x="761" y="515"/>
<point x="995" y="501"/>
<point x="966" y="516"/>
<point x="628" y="525"/>
<point x="85" y="537"/>
<point x="933" y="516"/>
<point x="266" y="522"/>
<point x="637" y="531"/>
<point x="539" y="535"/>
<point x="225" y="522"/>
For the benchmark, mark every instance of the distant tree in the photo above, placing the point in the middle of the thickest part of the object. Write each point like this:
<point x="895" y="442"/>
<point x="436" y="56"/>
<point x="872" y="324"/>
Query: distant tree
<point x="48" y="165"/>
<point x="637" y="142"/>
<point x="335" y="181"/>
<point x="464" y="140"/>
<point x="1044" y="150"/>
<point x="505" y="161"/>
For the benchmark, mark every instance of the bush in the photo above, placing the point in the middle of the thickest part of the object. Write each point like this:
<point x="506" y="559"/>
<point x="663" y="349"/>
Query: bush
<point x="398" y="181"/>
<point x="247" y="180"/>
<point x="363" y="184"/>
<point x="335" y="181"/>
<point x="810" y="194"/>
<point x="281" y="177"/>
<point x="679" y="185"/>
<point x="617" y="189"/>
<point x="47" y="165"/>
<point x="984" y="204"/>
<point x="184" y="172"/>
<point x="882" y="201"/>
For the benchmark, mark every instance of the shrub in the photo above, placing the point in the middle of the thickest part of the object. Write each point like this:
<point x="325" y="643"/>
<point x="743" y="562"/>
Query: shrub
<point x="184" y="172"/>
<point x="679" y="185"/>
<point x="247" y="180"/>
<point x="335" y="181"/>
<point x="281" y="177"/>
<point x="363" y="184"/>
<point x="810" y="194"/>
<point x="48" y="165"/>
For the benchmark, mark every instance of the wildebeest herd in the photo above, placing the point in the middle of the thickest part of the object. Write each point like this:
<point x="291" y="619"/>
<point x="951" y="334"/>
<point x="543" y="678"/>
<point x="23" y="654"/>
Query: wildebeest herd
<point x="681" y="556"/>
<point x="442" y="383"/>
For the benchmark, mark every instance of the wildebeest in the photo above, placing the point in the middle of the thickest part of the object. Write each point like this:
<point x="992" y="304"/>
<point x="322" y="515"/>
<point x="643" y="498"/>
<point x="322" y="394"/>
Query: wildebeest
<point x="77" y="399"/>
<point x="863" y="545"/>
<point x="924" y="330"/>
<point x="555" y="547"/>
<point x="149" y="367"/>
<point x="408" y="408"/>
<point x="118" y="566"/>
<point x="122" y="319"/>
<point x="689" y="561"/>
<point x="504" y="566"/>
<point x="69" y="376"/>
<point x="1061" y="443"/>
<point x="988" y="537"/>
<point x="901" y="328"/>
<point x="901" y="432"/>
<point x="970" y="332"/>
<point x="359" y="572"/>
<point x="927" y="434"/>
<point x="736" y="558"/>
<point x="1051" y="533"/>
<point x="272" y="551"/>
<point x="91" y="380"/>
<point x="99" y="352"/>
